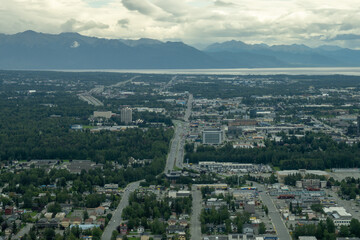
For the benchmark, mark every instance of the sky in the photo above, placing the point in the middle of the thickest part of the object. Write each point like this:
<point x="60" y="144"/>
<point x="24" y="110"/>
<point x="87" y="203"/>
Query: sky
<point x="195" y="22"/>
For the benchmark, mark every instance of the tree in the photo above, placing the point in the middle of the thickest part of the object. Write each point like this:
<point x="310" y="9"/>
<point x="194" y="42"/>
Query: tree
<point x="85" y="215"/>
<point x="49" y="234"/>
<point x="355" y="227"/>
<point x="262" y="228"/>
<point x="330" y="226"/>
<point x="54" y="208"/>
<point x="266" y="210"/>
<point x="344" y="231"/>
<point x="317" y="208"/>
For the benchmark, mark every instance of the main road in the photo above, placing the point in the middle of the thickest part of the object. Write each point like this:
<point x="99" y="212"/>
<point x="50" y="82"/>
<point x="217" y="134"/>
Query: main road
<point x="281" y="230"/>
<point x="116" y="218"/>
<point x="176" y="155"/>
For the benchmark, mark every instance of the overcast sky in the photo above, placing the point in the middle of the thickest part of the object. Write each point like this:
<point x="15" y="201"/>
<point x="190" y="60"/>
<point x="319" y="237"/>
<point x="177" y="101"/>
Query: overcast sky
<point x="199" y="22"/>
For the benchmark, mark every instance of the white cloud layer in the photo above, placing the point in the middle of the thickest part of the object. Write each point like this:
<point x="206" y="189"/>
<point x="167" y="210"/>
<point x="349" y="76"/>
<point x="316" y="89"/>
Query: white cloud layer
<point x="192" y="21"/>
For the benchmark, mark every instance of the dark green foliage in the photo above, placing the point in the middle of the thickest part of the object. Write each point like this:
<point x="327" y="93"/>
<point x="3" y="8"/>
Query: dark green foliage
<point x="262" y="228"/>
<point x="314" y="151"/>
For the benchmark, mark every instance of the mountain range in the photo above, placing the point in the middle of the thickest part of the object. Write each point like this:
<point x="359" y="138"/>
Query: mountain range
<point x="33" y="50"/>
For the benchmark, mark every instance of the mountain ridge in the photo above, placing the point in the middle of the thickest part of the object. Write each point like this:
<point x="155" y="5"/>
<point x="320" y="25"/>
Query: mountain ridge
<point x="68" y="50"/>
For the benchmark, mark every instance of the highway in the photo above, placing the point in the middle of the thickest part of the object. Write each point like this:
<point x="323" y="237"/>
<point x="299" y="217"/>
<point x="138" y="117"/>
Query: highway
<point x="87" y="96"/>
<point x="90" y="99"/>
<point x="281" y="230"/>
<point x="176" y="154"/>
<point x="116" y="218"/>
<point x="195" y="225"/>
<point x="175" y="148"/>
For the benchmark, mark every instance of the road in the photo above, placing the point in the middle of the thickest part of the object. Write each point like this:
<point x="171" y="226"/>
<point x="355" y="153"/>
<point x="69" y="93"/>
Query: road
<point x="195" y="225"/>
<point x="333" y="129"/>
<point x="90" y="99"/>
<point x="123" y="83"/>
<point x="175" y="147"/>
<point x="23" y="231"/>
<point x="116" y="218"/>
<point x="176" y="154"/>
<point x="87" y="96"/>
<point x="281" y="230"/>
<point x="168" y="84"/>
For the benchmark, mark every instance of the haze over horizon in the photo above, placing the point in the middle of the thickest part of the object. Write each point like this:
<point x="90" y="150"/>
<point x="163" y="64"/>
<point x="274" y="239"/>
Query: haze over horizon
<point x="195" y="22"/>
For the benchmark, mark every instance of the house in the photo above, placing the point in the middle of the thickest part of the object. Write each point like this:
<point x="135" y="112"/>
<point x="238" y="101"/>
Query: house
<point x="101" y="221"/>
<point x="89" y="221"/>
<point x="45" y="223"/>
<point x="9" y="210"/>
<point x="100" y="211"/>
<point x="60" y="215"/>
<point x="173" y="229"/>
<point x="172" y="222"/>
<point x="123" y="229"/>
<point x="248" y="229"/>
<point x="42" y="223"/>
<point x="183" y="223"/>
<point x="48" y="215"/>
<point x="210" y="228"/>
<point x="221" y="228"/>
<point x="140" y="229"/>
<point x="75" y="221"/>
<point x="65" y="222"/>
<point x="8" y="231"/>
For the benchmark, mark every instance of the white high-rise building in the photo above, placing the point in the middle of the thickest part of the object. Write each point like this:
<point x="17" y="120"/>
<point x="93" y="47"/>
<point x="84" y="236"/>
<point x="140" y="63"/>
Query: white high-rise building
<point x="126" y="115"/>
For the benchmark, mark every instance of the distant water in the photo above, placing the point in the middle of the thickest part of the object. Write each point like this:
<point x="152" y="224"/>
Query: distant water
<point x="355" y="71"/>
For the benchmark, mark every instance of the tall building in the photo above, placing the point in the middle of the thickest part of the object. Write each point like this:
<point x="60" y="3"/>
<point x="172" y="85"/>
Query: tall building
<point x="358" y="125"/>
<point x="126" y="115"/>
<point x="213" y="136"/>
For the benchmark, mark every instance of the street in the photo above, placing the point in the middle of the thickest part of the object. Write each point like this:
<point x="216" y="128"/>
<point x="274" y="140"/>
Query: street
<point x="281" y="230"/>
<point x="195" y="225"/>
<point x="116" y="218"/>
<point x="23" y="231"/>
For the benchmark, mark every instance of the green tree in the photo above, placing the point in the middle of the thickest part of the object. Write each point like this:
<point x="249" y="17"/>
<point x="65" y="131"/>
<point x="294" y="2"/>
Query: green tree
<point x="49" y="234"/>
<point x="262" y="228"/>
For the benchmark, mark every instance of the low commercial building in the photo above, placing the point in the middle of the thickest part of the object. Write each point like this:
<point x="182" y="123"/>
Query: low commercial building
<point x="213" y="136"/>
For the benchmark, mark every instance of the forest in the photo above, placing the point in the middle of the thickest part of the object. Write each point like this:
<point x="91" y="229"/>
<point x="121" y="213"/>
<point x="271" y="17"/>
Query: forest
<point x="314" y="151"/>
<point x="30" y="128"/>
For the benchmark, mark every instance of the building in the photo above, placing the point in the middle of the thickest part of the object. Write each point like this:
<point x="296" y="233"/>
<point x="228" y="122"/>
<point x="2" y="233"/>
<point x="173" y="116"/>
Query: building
<point x="339" y="215"/>
<point x="103" y="114"/>
<point x="126" y="115"/>
<point x="250" y="207"/>
<point x="213" y="136"/>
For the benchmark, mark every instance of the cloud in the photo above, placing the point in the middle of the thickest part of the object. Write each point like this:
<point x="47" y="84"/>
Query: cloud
<point x="346" y="37"/>
<point x="142" y="6"/>
<point x="73" y="25"/>
<point x="194" y="21"/>
<point x="220" y="3"/>
<point x="124" y="23"/>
